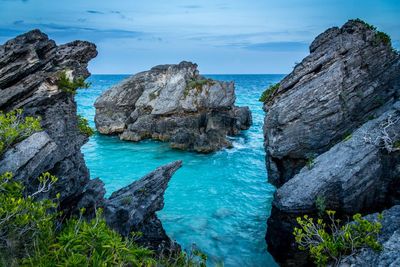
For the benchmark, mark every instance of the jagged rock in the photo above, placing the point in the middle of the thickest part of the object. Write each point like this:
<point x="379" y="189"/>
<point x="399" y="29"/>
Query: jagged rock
<point x="133" y="208"/>
<point x="389" y="238"/>
<point x="30" y="66"/>
<point x="325" y="129"/>
<point x="348" y="76"/>
<point x="173" y="103"/>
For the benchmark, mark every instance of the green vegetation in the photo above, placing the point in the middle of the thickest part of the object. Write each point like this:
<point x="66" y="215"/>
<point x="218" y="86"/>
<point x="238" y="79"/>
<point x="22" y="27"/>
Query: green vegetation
<point x="320" y="204"/>
<point x="380" y="37"/>
<point x="197" y="84"/>
<point x="332" y="242"/>
<point x="347" y="137"/>
<point x="397" y="144"/>
<point x="83" y="126"/>
<point x="310" y="163"/>
<point x="68" y="86"/>
<point x="268" y="92"/>
<point x="14" y="128"/>
<point x="369" y="26"/>
<point x="31" y="235"/>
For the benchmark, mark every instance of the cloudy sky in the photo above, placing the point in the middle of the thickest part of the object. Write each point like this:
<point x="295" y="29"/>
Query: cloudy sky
<point x="222" y="36"/>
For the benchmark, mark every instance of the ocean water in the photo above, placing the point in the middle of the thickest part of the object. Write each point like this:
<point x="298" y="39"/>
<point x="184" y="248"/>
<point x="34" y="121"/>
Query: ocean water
<point x="217" y="202"/>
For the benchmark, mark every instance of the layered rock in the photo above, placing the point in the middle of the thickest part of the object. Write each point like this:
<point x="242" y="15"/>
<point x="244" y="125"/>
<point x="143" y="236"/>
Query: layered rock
<point x="30" y="67"/>
<point x="173" y="103"/>
<point x="331" y="133"/>
<point x="350" y="74"/>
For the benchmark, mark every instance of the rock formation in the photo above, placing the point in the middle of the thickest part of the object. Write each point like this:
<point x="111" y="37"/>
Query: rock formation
<point x="30" y="67"/>
<point x="173" y="103"/>
<point x="331" y="132"/>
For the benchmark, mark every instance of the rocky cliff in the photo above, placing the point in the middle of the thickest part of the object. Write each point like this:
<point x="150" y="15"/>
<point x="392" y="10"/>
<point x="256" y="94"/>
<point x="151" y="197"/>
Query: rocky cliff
<point x="173" y="103"/>
<point x="331" y="132"/>
<point x="30" y="67"/>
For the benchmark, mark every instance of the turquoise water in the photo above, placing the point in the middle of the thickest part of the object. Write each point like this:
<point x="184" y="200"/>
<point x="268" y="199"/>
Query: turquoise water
<point x="220" y="202"/>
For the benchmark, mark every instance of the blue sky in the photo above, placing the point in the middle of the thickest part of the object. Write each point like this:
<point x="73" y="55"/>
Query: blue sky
<point x="222" y="36"/>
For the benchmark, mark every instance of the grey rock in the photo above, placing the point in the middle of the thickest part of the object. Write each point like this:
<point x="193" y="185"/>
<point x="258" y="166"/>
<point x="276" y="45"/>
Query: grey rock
<point x="348" y="77"/>
<point x="173" y="103"/>
<point x="29" y="69"/>
<point x="133" y="208"/>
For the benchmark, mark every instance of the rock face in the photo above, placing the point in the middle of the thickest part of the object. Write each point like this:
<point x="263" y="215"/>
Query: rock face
<point x="331" y="132"/>
<point x="29" y="71"/>
<point x="173" y="103"/>
<point x="348" y="77"/>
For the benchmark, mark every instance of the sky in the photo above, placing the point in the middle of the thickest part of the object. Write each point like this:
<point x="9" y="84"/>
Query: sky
<point x="221" y="36"/>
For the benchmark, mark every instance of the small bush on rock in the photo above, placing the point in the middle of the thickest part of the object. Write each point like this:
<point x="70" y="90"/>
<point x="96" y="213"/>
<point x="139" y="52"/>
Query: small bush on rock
<point x="14" y="128"/>
<point x="83" y="126"/>
<point x="68" y="86"/>
<point x="268" y="92"/>
<point x="327" y="242"/>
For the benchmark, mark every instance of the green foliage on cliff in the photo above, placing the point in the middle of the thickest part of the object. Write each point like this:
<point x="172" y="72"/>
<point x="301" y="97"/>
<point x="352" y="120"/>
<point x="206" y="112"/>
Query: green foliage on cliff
<point x="327" y="242"/>
<point x="68" y="86"/>
<point x="31" y="234"/>
<point x="83" y="126"/>
<point x="197" y="84"/>
<point x="380" y="37"/>
<point x="268" y="92"/>
<point x="15" y="128"/>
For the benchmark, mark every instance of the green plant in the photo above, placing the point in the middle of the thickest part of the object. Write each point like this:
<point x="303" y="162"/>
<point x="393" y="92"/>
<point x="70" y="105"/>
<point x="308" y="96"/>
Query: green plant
<point x="268" y="92"/>
<point x="332" y="242"/>
<point x="347" y="137"/>
<point x="70" y="86"/>
<point x="197" y="84"/>
<point x="381" y="37"/>
<point x="320" y="204"/>
<point x="397" y="144"/>
<point x="25" y="223"/>
<point x="83" y="126"/>
<point x="369" y="26"/>
<point x="310" y="163"/>
<point x="14" y="128"/>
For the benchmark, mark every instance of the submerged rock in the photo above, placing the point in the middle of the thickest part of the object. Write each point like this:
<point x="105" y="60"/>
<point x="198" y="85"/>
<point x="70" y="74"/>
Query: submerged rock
<point x="331" y="133"/>
<point x="30" y="67"/>
<point x="173" y="103"/>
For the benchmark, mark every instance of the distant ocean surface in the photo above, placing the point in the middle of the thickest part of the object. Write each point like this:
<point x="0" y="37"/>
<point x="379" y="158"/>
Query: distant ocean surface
<point x="220" y="202"/>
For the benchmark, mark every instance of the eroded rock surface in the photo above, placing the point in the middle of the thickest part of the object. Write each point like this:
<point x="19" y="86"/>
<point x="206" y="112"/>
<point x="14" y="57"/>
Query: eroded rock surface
<point x="173" y="103"/>
<point x="332" y="133"/>
<point x="30" y="67"/>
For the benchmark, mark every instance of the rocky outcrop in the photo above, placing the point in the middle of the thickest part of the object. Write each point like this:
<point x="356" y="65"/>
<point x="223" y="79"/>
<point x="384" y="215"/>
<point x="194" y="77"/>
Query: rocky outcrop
<point x="349" y="76"/>
<point x="389" y="238"/>
<point x="30" y="67"/>
<point x="331" y="133"/>
<point x="173" y="103"/>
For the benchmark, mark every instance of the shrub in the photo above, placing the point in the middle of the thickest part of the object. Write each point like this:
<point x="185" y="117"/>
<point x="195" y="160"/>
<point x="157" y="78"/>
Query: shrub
<point x="197" y="84"/>
<point x="332" y="242"/>
<point x="310" y="163"/>
<point x="14" y="128"/>
<point x="369" y="26"/>
<point x="268" y="92"/>
<point x="381" y="37"/>
<point x="83" y="126"/>
<point x="68" y="86"/>
<point x="320" y="204"/>
<point x="25" y="223"/>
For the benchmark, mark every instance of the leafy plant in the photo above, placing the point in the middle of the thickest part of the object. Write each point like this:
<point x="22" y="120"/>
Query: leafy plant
<point x="197" y="84"/>
<point x="332" y="242"/>
<point x="70" y="86"/>
<point x="347" y="137"/>
<point x="14" y="128"/>
<point x="320" y="204"/>
<point x="381" y="37"/>
<point x="369" y="26"/>
<point x="310" y="163"/>
<point x="268" y="92"/>
<point x="83" y="126"/>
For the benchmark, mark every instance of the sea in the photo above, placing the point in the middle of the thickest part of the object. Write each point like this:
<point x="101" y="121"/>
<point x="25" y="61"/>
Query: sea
<point x="218" y="203"/>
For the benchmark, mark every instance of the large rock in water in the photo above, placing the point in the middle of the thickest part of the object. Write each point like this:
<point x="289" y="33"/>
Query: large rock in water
<point x="173" y="103"/>
<point x="331" y="133"/>
<point x="30" y="67"/>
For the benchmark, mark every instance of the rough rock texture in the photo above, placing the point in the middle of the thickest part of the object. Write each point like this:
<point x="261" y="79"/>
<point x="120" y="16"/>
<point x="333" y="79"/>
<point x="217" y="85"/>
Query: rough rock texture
<point x="29" y="69"/>
<point x="331" y="132"/>
<point x="173" y="103"/>
<point x="389" y="238"/>
<point x="133" y="208"/>
<point x="347" y="78"/>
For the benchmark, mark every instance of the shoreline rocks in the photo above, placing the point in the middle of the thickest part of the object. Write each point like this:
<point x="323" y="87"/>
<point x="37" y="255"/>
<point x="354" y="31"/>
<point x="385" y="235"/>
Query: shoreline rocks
<point x="30" y="67"/>
<point x="331" y="133"/>
<point x="173" y="103"/>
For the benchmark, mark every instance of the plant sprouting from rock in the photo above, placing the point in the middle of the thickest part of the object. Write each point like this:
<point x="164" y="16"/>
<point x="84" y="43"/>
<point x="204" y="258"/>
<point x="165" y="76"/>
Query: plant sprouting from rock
<point x="70" y="86"/>
<point x="320" y="204"/>
<point x="83" y="126"/>
<point x="331" y="242"/>
<point x="268" y="92"/>
<point x="14" y="128"/>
